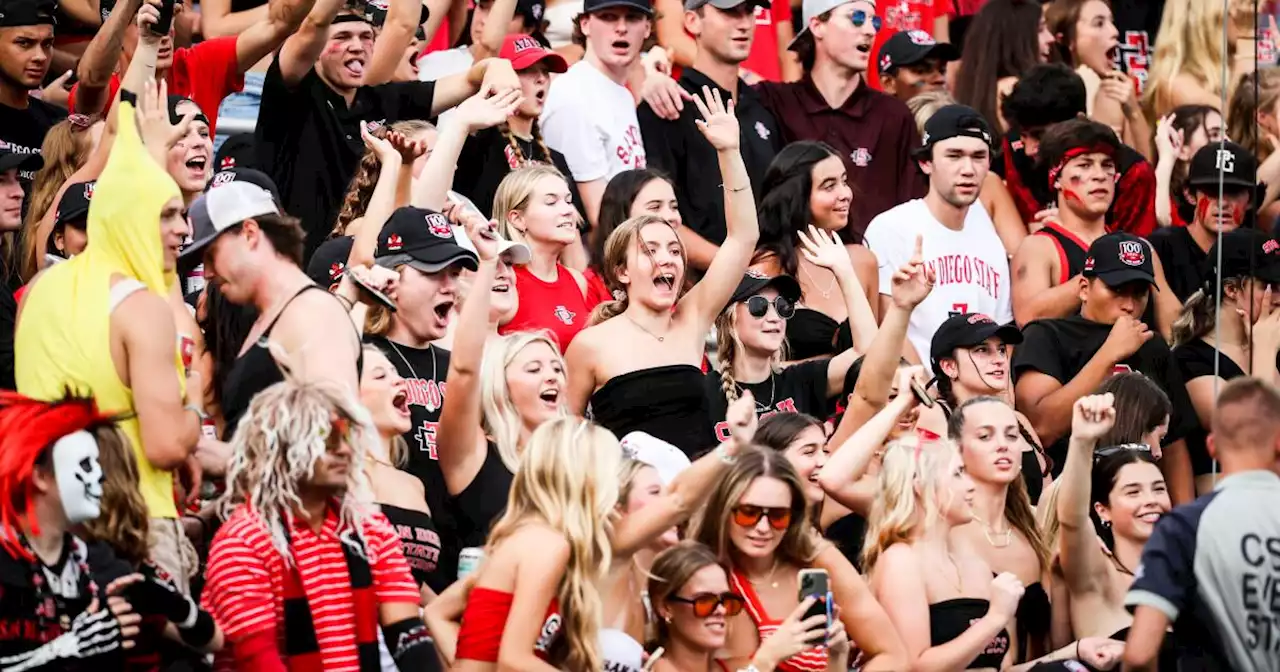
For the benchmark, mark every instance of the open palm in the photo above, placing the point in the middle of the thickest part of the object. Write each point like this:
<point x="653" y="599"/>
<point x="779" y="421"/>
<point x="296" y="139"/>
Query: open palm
<point x="718" y="123"/>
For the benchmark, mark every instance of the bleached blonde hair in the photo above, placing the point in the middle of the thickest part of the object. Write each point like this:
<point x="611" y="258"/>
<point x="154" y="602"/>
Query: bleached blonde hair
<point x="514" y="193"/>
<point x="501" y="421"/>
<point x="1189" y="42"/>
<point x="288" y="428"/>
<point x="912" y="472"/>
<point x="568" y="480"/>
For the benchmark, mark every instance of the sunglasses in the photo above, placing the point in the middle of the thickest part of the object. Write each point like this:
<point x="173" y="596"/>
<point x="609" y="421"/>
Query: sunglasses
<point x="859" y="17"/>
<point x="747" y="515"/>
<point x="1103" y="453"/>
<point x="758" y="306"/>
<point x="704" y="604"/>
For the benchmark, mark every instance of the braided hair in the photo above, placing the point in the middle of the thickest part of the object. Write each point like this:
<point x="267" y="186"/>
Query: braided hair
<point x="727" y="347"/>
<point x="360" y="189"/>
<point x="520" y="159"/>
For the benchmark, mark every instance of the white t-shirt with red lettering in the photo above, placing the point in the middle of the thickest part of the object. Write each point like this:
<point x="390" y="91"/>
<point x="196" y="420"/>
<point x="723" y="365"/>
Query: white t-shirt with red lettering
<point x="592" y="121"/>
<point x="971" y="266"/>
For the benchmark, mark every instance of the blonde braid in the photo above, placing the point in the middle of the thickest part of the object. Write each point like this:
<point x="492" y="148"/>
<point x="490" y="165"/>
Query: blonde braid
<point x="726" y="351"/>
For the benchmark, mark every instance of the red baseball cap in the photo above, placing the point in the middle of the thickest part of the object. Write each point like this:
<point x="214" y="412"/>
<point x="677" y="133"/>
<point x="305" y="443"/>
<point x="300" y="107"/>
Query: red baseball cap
<point x="524" y="51"/>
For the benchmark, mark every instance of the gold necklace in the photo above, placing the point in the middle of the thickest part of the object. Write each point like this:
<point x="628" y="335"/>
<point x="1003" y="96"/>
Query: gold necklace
<point x="768" y="579"/>
<point x="987" y="532"/>
<point x="959" y="579"/>
<point x="826" y="293"/>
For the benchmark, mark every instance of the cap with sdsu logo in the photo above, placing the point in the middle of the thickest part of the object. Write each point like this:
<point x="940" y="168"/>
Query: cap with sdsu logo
<point x="1246" y="253"/>
<point x="525" y="51"/>
<point x="329" y="262"/>
<point x="1119" y="259"/>
<point x="73" y="209"/>
<point x="1235" y="165"/>
<point x="913" y="46"/>
<point x="968" y="330"/>
<point x="425" y="240"/>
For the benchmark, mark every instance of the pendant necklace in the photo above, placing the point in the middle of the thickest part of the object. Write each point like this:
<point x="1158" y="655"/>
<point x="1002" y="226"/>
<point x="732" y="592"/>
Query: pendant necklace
<point x="431" y="407"/>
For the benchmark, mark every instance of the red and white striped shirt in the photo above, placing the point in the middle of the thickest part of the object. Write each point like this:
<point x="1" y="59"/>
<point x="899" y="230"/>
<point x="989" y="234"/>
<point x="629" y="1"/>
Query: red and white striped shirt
<point x="245" y="582"/>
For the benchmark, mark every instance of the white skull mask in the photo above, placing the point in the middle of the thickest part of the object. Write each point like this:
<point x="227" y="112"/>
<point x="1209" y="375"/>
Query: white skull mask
<point x="79" y="476"/>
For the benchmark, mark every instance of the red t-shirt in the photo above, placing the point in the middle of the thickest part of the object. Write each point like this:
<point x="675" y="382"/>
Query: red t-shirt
<point x="245" y="588"/>
<point x="206" y="73"/>
<point x="900" y="15"/>
<point x="763" y="59"/>
<point x="557" y="307"/>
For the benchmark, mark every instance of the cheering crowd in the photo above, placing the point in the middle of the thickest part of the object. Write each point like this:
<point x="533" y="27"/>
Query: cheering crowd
<point x="620" y="335"/>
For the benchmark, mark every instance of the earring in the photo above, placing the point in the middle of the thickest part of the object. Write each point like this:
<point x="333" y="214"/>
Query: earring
<point x="1106" y="524"/>
<point x="619" y="295"/>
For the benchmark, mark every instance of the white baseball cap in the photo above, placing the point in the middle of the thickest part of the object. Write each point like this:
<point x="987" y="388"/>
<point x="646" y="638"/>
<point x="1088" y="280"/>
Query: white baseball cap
<point x="813" y="8"/>
<point x="665" y="458"/>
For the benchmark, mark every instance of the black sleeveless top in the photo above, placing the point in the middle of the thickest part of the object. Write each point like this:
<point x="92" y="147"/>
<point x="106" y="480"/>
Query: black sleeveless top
<point x="812" y="333"/>
<point x="667" y="402"/>
<point x="482" y="501"/>
<point x="420" y="542"/>
<point x="951" y="618"/>
<point x="256" y="370"/>
<point x="1072" y="251"/>
<point x="1034" y="617"/>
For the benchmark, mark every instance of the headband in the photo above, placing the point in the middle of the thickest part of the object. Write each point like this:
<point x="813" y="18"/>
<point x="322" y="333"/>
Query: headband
<point x="1096" y="148"/>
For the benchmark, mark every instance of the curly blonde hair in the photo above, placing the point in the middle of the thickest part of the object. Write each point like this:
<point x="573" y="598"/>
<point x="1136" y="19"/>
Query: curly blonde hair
<point x="288" y="428"/>
<point x="568" y="480"/>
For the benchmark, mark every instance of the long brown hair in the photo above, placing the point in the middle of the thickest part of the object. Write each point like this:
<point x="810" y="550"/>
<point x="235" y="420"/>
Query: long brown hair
<point x="123" y="524"/>
<point x="616" y="248"/>
<point x="360" y="189"/>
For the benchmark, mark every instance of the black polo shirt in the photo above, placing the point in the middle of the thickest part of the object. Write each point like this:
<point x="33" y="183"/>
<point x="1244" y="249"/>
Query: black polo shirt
<point x="873" y="132"/>
<point x="1182" y="258"/>
<point x="679" y="149"/>
<point x="487" y="157"/>
<point x="23" y="131"/>
<point x="308" y="140"/>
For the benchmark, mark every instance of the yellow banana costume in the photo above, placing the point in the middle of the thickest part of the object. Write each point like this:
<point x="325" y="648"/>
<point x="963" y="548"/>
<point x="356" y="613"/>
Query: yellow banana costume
<point x="63" y="336"/>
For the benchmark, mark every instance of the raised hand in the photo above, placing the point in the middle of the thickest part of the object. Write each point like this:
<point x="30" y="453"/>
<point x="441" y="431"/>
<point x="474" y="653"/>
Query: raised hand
<point x="153" y="120"/>
<point x="795" y="634"/>
<point x="409" y="149"/>
<point x="904" y="377"/>
<point x="718" y="124"/>
<point x="380" y="146"/>
<point x="742" y="420"/>
<point x="912" y="283"/>
<point x="1093" y="416"/>
<point x="147" y="17"/>
<point x="1168" y="139"/>
<point x="482" y="232"/>
<point x="489" y="108"/>
<point x="824" y="249"/>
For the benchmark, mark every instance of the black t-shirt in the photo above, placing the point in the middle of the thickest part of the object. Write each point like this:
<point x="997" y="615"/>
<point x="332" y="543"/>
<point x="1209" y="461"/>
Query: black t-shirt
<point x="1196" y="359"/>
<point x="1182" y="258"/>
<point x="424" y="371"/>
<point x="487" y="157"/>
<point x="308" y="140"/>
<point x="799" y="388"/>
<point x="1061" y="348"/>
<point x="23" y="131"/>
<point x="70" y="582"/>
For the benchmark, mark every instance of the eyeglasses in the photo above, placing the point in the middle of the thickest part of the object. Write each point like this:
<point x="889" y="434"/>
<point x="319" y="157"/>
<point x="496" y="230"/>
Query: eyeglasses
<point x="859" y="17"/>
<point x="704" y="604"/>
<point x="1103" y="453"/>
<point x="758" y="306"/>
<point x="748" y="515"/>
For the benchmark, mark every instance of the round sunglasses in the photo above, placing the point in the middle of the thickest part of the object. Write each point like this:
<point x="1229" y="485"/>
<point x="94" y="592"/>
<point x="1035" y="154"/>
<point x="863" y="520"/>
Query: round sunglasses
<point x="859" y="17"/>
<point x="758" y="306"/>
<point x="748" y="515"/>
<point x="704" y="604"/>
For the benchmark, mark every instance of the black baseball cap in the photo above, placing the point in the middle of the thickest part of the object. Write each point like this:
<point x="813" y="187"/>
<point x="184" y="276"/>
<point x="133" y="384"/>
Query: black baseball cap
<point x="532" y="11"/>
<point x="1246" y="253"/>
<point x="11" y="160"/>
<point x="691" y="5"/>
<point x="235" y="152"/>
<point x="1234" y="164"/>
<point x="909" y="47"/>
<point x="239" y="174"/>
<point x="73" y="207"/>
<point x="1120" y="258"/>
<point x="967" y="330"/>
<point x="591" y="6"/>
<point x="425" y="240"/>
<point x="953" y="121"/>
<point x="14" y="13"/>
<point x="753" y="281"/>
<point x="329" y="262"/>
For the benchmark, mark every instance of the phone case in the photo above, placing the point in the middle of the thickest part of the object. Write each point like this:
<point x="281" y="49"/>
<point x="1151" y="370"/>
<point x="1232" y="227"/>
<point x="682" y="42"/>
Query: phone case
<point x="815" y="583"/>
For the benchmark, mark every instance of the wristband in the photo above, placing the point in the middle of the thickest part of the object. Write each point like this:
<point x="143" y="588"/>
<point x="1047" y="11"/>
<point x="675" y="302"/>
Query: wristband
<point x="200" y="632"/>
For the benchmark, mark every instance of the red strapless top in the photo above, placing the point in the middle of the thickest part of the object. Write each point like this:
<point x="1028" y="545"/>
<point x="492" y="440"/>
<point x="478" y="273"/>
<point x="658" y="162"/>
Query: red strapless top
<point x="485" y="618"/>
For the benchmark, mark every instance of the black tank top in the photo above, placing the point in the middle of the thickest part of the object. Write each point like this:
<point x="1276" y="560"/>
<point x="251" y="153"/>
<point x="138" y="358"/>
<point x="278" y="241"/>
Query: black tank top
<point x="1034" y="617"/>
<point x="483" y="500"/>
<point x="256" y="370"/>
<point x="420" y="542"/>
<point x="811" y="333"/>
<point x="951" y="618"/>
<point x="667" y="402"/>
<point x="1072" y="251"/>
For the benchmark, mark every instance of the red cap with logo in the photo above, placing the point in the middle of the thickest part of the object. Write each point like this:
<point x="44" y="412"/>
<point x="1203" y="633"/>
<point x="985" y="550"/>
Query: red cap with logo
<point x="524" y="51"/>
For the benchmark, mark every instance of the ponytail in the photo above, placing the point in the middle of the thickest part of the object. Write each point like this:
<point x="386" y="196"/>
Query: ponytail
<point x="1199" y="314"/>
<point x="607" y="310"/>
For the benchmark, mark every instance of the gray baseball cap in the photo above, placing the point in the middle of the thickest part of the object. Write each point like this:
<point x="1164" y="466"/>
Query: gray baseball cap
<point x="691" y="5"/>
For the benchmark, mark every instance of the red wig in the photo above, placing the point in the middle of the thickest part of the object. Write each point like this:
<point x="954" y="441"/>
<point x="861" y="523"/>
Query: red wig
<point x="27" y="428"/>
